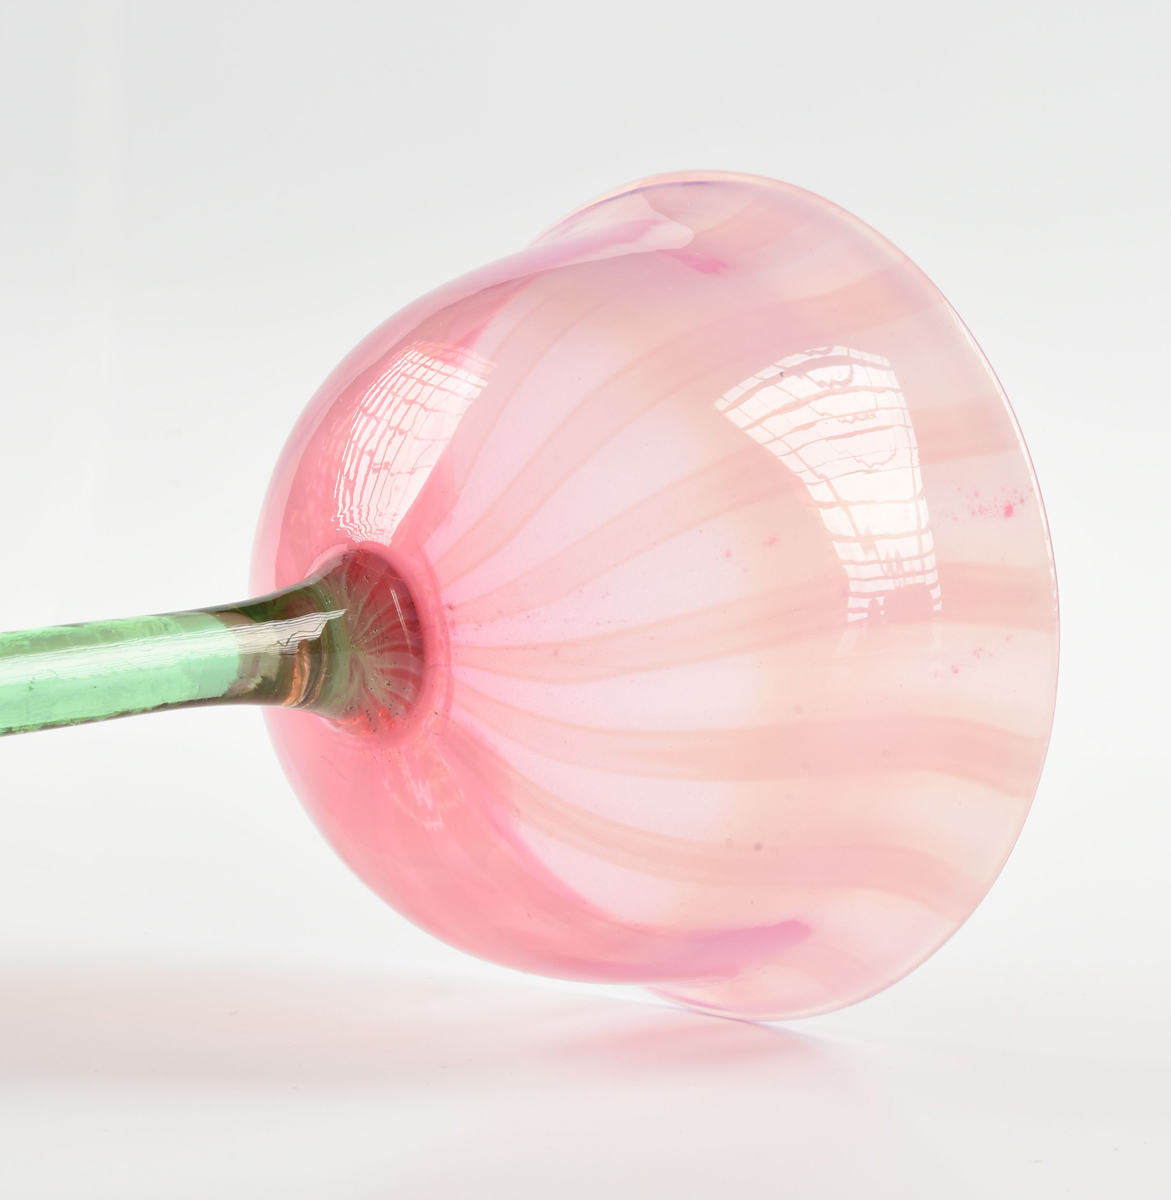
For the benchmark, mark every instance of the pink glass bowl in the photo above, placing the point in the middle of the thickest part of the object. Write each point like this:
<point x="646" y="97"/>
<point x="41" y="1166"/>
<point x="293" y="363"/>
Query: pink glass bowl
<point x="737" y="601"/>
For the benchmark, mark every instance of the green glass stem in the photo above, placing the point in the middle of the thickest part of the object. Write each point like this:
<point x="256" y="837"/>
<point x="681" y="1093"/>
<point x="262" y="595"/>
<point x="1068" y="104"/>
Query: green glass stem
<point x="345" y="644"/>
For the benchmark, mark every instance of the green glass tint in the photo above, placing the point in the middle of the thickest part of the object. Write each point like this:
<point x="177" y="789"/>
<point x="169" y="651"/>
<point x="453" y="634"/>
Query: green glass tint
<point x="346" y="643"/>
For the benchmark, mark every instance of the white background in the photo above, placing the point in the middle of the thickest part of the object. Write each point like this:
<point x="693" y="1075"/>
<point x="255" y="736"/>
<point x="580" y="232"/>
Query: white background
<point x="202" y="207"/>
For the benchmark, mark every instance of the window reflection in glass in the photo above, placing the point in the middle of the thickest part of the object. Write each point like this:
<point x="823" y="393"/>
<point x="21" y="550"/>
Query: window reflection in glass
<point x="399" y="429"/>
<point x="836" y="417"/>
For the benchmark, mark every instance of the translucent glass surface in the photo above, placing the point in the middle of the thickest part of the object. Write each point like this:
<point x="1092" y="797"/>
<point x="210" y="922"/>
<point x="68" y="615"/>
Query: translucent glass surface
<point x="735" y="593"/>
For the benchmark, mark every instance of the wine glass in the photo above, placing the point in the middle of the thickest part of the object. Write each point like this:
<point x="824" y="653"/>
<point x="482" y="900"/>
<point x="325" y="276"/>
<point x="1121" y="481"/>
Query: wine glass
<point x="668" y="603"/>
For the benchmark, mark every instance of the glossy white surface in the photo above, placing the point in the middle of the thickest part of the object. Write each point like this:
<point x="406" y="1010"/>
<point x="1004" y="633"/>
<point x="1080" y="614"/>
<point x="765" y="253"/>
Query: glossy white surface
<point x="127" y="1080"/>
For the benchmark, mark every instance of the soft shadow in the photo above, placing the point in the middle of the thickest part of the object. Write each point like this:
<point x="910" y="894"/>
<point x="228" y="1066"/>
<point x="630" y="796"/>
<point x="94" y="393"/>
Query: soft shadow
<point x="278" y="1026"/>
<point x="433" y="1087"/>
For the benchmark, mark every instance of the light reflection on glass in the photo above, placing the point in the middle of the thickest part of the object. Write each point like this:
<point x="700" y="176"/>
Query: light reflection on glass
<point x="838" y="420"/>
<point x="399" y="429"/>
